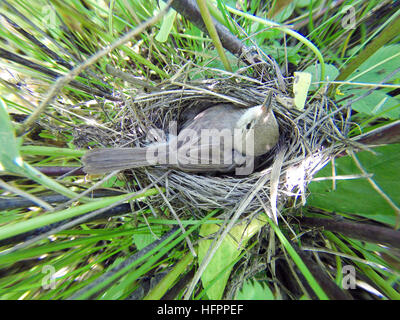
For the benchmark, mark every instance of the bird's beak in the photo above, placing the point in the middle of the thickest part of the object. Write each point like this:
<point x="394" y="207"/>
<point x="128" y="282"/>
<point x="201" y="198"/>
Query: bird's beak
<point x="266" y="106"/>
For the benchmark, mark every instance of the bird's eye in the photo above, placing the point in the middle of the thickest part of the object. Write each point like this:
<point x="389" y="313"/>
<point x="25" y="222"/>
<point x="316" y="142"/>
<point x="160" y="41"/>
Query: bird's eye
<point x="248" y="126"/>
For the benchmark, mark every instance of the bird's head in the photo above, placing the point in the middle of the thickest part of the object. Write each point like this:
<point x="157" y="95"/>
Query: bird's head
<point x="257" y="130"/>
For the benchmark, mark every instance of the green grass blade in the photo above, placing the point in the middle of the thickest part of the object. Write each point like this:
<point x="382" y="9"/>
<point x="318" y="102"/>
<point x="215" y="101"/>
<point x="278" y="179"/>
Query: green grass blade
<point x="299" y="262"/>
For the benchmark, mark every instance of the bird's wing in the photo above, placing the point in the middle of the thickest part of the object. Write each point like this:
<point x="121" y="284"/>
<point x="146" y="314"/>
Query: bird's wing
<point x="206" y="143"/>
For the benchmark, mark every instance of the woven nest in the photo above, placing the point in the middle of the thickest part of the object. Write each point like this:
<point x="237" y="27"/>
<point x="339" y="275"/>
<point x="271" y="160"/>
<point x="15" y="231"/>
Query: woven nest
<point x="308" y="139"/>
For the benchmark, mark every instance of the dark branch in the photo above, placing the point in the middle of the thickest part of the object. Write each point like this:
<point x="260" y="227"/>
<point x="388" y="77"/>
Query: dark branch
<point x="387" y="134"/>
<point x="9" y="203"/>
<point x="190" y="10"/>
<point x="116" y="211"/>
<point x="329" y="287"/>
<point x="356" y="230"/>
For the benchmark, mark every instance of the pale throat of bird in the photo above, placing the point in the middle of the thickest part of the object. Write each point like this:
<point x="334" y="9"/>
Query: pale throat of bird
<point x="249" y="118"/>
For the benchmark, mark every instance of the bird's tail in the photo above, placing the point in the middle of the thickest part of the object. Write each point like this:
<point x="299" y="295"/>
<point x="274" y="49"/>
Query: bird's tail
<point x="107" y="160"/>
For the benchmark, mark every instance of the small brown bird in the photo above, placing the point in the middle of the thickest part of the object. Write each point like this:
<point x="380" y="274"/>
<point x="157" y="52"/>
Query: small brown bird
<point x="221" y="138"/>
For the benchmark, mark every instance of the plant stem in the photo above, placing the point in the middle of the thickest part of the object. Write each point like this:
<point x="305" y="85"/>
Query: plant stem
<point x="213" y="33"/>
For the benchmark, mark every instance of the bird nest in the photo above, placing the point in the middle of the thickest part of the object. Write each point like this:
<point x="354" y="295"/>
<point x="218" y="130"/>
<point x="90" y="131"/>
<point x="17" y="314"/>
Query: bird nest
<point x="308" y="139"/>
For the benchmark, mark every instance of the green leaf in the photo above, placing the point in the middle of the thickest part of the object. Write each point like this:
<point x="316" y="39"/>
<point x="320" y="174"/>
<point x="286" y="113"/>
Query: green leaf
<point x="217" y="64"/>
<point x="218" y="270"/>
<point x="143" y="238"/>
<point x="302" y="81"/>
<point x="253" y="290"/>
<point x="51" y="151"/>
<point x="276" y="50"/>
<point x="8" y="142"/>
<point x="167" y="24"/>
<point x="330" y="71"/>
<point x="377" y="103"/>
<point x="358" y="196"/>
<point x="10" y="159"/>
<point x="378" y="68"/>
<point x="302" y="3"/>
<point x="113" y="182"/>
<point x="285" y="13"/>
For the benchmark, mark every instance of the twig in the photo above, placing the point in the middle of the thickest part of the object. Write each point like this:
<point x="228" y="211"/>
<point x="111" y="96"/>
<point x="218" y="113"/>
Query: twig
<point x="356" y="230"/>
<point x="29" y="197"/>
<point x="275" y="175"/>
<point x="9" y="203"/>
<point x="386" y="134"/>
<point x="329" y="287"/>
<point x="129" y="78"/>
